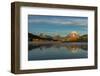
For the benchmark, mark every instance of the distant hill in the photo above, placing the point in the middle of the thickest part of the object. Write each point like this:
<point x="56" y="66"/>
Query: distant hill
<point x="83" y="38"/>
<point x="32" y="36"/>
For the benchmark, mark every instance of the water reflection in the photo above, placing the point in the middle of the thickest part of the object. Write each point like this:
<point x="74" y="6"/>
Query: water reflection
<point x="70" y="46"/>
<point x="57" y="51"/>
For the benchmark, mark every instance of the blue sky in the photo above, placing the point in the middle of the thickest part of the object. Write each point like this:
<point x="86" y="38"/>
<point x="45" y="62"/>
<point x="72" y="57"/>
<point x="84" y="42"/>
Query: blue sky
<point x="57" y="25"/>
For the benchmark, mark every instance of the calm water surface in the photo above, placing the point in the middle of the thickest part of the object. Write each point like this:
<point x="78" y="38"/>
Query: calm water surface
<point x="52" y="51"/>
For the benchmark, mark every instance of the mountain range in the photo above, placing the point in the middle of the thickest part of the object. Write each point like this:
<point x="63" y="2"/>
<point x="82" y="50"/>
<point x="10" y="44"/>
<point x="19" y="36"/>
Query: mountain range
<point x="71" y="37"/>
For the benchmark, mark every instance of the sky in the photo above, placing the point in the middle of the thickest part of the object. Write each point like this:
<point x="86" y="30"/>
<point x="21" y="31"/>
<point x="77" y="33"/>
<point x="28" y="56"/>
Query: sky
<point x="57" y="25"/>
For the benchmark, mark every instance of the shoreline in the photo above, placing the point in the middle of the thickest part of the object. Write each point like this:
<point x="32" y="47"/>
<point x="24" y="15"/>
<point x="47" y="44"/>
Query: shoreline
<point x="55" y="42"/>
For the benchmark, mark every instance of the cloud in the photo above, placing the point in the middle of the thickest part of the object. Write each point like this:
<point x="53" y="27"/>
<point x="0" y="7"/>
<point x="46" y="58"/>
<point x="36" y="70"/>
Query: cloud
<point x="65" y="21"/>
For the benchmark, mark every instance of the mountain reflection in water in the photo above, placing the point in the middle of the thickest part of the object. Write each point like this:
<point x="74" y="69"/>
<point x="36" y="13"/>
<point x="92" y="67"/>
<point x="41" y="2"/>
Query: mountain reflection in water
<point x="57" y="51"/>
